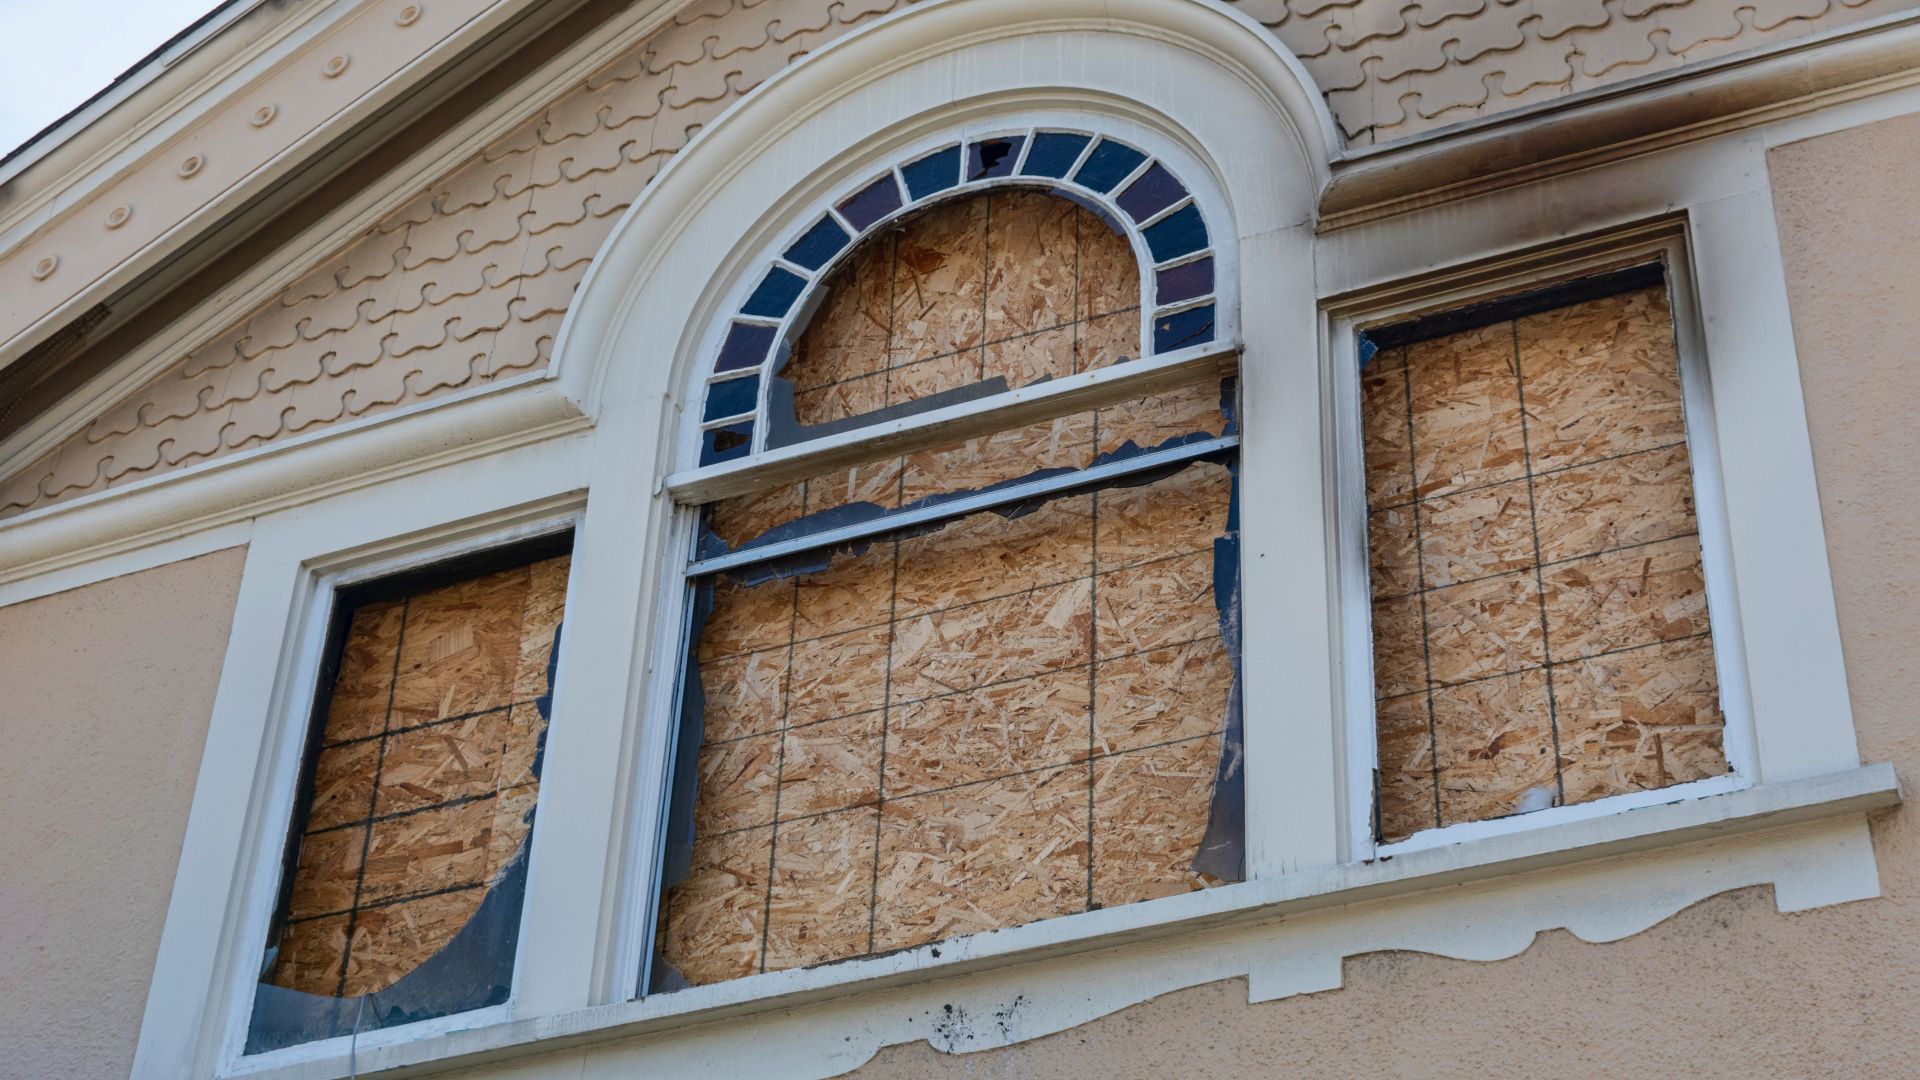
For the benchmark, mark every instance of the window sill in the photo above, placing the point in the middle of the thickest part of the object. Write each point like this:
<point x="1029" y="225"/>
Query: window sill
<point x="430" y="1046"/>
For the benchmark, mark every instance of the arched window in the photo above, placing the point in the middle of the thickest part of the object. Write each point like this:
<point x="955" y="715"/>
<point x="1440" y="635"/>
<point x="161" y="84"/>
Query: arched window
<point x="963" y="640"/>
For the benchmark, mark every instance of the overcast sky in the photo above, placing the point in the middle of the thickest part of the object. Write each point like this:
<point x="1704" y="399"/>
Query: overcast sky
<point x="55" y="54"/>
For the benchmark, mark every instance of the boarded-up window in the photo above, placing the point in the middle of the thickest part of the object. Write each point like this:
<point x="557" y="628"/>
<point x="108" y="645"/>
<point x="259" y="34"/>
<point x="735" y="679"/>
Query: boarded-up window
<point x="408" y="860"/>
<point x="966" y="298"/>
<point x="1539" y="604"/>
<point x="982" y="716"/>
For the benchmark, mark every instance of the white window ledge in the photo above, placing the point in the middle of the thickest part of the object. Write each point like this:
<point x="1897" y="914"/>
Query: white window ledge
<point x="1710" y="817"/>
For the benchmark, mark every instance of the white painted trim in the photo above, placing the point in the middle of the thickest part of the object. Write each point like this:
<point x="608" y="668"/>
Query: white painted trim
<point x="130" y="561"/>
<point x="639" y="333"/>
<point x="1012" y="125"/>
<point x="169" y="93"/>
<point x="1663" y="241"/>
<point x="284" y="473"/>
<point x="953" y="423"/>
<point x="1261" y="907"/>
<point x="227" y="878"/>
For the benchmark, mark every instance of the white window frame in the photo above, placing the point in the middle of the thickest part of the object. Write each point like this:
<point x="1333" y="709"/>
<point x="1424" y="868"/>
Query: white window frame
<point x="1663" y="242"/>
<point x="693" y="487"/>
<point x="633" y="344"/>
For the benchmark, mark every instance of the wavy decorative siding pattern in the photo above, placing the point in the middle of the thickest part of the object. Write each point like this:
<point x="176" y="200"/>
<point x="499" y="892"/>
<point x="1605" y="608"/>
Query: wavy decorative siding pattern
<point x="469" y="281"/>
<point x="1393" y="68"/>
<point x="465" y="284"/>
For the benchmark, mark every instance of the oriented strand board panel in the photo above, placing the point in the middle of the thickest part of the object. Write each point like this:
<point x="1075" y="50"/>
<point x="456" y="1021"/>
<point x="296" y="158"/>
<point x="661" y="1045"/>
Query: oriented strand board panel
<point x="1074" y="441"/>
<point x="1016" y="285"/>
<point x="1000" y="720"/>
<point x="426" y="778"/>
<point x="1539" y="608"/>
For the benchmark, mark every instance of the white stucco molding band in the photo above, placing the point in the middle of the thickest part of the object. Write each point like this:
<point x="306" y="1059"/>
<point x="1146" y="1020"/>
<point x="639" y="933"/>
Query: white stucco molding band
<point x="1248" y="904"/>
<point x="238" y="487"/>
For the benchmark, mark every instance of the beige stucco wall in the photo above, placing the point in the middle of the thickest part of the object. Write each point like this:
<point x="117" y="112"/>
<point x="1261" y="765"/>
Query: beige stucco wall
<point x="1729" y="987"/>
<point x="105" y="693"/>
<point x="108" y="689"/>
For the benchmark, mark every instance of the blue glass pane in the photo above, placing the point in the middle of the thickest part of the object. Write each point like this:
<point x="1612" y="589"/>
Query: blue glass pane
<point x="932" y="174"/>
<point x="745" y="347"/>
<point x="871" y="203"/>
<point x="1110" y="163"/>
<point x="1193" y="326"/>
<point x="725" y="444"/>
<point x="731" y="398"/>
<point x="1188" y="281"/>
<point x="1179" y="233"/>
<point x="992" y="157"/>
<point x="1053" y="153"/>
<point x="1153" y="192"/>
<point x="818" y="244"/>
<point x="777" y="292"/>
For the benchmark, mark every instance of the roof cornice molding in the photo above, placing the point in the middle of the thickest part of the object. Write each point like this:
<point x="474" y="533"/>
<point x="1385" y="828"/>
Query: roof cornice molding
<point x="252" y="118"/>
<point x="1623" y="120"/>
<point x="147" y="103"/>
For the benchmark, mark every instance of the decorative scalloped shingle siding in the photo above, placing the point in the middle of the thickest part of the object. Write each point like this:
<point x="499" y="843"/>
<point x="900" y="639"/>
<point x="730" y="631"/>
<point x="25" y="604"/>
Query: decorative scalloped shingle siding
<point x="468" y="283"/>
<point x="1393" y="68"/>
<point x="465" y="284"/>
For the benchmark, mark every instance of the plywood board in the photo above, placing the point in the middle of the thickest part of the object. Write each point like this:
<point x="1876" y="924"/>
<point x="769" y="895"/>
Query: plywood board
<point x="1640" y="719"/>
<point x="945" y="688"/>
<point x="1636" y="499"/>
<point x="1602" y="379"/>
<point x="411" y="821"/>
<point x="1627" y="598"/>
<point x="1465" y="411"/>
<point x="1161" y="695"/>
<point x="821" y="903"/>
<point x="978" y="857"/>
<point x="1552" y="548"/>
<point x="831" y="765"/>
<point x="978" y="735"/>
<point x="1011" y="285"/>
<point x="460" y="651"/>
<point x="1476" y="534"/>
<point x="1149" y="816"/>
<point x="1404" y="791"/>
<point x="715" y="920"/>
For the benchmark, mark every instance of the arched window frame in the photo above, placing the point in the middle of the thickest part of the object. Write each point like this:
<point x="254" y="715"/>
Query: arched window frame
<point x="1083" y="163"/>
<point x="1214" y="355"/>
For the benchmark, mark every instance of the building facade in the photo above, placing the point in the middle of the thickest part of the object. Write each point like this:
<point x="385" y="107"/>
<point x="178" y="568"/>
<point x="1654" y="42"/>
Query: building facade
<point x="792" y="538"/>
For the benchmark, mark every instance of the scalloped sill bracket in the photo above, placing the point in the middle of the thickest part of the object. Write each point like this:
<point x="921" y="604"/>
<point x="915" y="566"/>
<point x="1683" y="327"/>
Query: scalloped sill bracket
<point x="1712" y="817"/>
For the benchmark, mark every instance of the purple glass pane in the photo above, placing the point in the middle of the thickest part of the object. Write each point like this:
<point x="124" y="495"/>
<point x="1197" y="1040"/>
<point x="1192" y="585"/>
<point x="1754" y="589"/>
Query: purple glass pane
<point x="746" y="346"/>
<point x="1187" y="281"/>
<point x="993" y="157"/>
<point x="1153" y="192"/>
<point x="871" y="203"/>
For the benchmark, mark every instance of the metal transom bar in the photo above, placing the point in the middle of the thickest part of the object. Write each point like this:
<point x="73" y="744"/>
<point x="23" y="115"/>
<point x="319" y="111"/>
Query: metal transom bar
<point x="967" y="504"/>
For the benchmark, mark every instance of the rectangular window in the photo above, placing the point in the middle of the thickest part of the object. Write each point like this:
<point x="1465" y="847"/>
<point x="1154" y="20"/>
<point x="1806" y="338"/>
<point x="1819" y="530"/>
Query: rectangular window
<point x="400" y="897"/>
<point x="1539" y="604"/>
<point x="988" y="716"/>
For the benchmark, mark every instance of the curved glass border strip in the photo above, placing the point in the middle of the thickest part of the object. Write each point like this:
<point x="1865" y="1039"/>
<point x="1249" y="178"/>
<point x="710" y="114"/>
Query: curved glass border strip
<point x="1140" y="197"/>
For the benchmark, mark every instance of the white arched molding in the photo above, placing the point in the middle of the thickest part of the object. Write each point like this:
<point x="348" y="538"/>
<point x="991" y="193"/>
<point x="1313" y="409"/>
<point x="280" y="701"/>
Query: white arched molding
<point x="1191" y="82"/>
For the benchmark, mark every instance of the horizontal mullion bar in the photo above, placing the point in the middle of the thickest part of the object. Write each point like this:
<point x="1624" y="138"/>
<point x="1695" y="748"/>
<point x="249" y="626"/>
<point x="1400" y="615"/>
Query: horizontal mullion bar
<point x="1040" y="401"/>
<point x="967" y="504"/>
